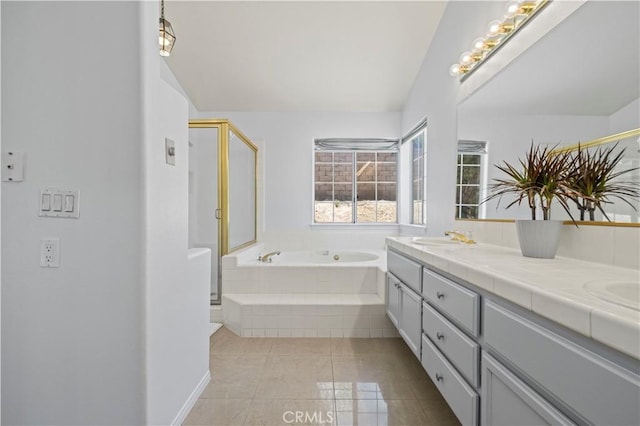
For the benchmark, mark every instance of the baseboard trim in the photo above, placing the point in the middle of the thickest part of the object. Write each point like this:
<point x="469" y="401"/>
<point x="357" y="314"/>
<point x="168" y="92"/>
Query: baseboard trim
<point x="191" y="401"/>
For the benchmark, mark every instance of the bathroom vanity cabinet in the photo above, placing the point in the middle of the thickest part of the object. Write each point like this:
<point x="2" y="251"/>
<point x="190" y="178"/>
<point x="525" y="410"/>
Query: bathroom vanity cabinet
<point x="498" y="364"/>
<point x="404" y="304"/>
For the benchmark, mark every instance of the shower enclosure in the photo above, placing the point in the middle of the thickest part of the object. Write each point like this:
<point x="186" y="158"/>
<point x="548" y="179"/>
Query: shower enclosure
<point x="222" y="191"/>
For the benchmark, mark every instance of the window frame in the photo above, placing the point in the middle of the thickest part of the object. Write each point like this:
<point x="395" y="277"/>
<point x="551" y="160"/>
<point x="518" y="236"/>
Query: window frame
<point x="470" y="147"/>
<point x="418" y="130"/>
<point x="354" y="147"/>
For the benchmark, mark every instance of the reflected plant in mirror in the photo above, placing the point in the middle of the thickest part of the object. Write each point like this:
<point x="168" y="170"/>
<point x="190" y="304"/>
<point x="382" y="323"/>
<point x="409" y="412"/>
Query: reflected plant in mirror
<point x="596" y="180"/>
<point x="542" y="177"/>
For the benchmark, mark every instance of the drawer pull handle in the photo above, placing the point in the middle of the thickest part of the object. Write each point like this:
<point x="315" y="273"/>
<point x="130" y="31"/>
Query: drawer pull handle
<point x="439" y="377"/>
<point x="440" y="295"/>
<point x="440" y="336"/>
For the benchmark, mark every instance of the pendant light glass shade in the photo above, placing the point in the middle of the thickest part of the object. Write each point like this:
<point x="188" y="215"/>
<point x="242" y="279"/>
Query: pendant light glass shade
<point x="167" y="37"/>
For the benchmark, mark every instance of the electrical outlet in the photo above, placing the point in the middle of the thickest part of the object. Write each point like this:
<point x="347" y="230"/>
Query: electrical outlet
<point x="50" y="253"/>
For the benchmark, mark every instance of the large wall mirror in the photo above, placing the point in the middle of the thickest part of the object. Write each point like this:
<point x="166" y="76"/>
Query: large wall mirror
<point x="578" y="83"/>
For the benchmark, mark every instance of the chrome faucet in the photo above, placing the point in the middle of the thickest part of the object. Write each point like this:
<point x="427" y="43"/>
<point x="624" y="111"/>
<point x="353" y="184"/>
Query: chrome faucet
<point x="267" y="257"/>
<point x="459" y="236"/>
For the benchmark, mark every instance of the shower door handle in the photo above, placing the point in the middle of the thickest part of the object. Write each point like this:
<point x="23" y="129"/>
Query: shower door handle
<point x="218" y="214"/>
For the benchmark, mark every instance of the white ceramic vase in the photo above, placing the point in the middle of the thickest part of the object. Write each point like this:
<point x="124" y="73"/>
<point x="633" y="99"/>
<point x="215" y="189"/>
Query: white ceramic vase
<point x="539" y="238"/>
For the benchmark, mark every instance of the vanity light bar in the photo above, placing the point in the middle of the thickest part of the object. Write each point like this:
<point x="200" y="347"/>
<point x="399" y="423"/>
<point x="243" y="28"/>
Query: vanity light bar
<point x="518" y="13"/>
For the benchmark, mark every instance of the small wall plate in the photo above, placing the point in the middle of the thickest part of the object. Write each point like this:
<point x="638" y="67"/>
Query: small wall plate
<point x="12" y="166"/>
<point x="170" y="151"/>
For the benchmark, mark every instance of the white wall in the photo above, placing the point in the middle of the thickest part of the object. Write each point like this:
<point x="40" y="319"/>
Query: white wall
<point x="0" y="216"/>
<point x="176" y="328"/>
<point x="177" y="341"/>
<point x="109" y="337"/>
<point x="627" y="118"/>
<point x="434" y="95"/>
<point x="73" y="337"/>
<point x="288" y="154"/>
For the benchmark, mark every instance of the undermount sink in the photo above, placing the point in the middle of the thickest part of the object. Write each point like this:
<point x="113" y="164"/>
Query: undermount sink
<point x="624" y="293"/>
<point x="435" y="241"/>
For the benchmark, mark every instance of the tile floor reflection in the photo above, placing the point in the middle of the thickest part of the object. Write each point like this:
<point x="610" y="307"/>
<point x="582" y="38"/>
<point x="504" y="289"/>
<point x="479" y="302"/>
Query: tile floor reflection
<point x="316" y="381"/>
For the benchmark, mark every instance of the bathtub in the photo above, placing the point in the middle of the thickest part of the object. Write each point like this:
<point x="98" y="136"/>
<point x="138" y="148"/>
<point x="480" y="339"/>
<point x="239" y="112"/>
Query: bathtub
<point x="321" y="257"/>
<point x="311" y="293"/>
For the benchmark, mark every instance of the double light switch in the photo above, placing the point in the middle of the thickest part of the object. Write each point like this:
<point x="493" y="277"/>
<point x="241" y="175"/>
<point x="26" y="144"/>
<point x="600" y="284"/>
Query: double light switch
<point x="59" y="203"/>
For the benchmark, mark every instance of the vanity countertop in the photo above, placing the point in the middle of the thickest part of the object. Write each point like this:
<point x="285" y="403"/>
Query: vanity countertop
<point x="559" y="289"/>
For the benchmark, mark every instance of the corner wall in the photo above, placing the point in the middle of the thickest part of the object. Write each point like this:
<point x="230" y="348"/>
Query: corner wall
<point x="287" y="150"/>
<point x="114" y="335"/>
<point x="176" y="311"/>
<point x="0" y="216"/>
<point x="434" y="96"/>
<point x="73" y="336"/>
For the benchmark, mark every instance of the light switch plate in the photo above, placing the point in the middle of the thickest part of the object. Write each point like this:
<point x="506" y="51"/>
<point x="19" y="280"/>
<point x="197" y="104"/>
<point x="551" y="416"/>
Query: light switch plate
<point x="61" y="203"/>
<point x="12" y="166"/>
<point x="170" y="151"/>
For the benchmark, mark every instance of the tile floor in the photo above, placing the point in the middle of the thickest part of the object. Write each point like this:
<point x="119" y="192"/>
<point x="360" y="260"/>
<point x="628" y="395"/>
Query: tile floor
<point x="319" y="381"/>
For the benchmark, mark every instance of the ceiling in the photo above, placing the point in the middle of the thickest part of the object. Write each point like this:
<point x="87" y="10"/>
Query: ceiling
<point x="347" y="56"/>
<point x="587" y="65"/>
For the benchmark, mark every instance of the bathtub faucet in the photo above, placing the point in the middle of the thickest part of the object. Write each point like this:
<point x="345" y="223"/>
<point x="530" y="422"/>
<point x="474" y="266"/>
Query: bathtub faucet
<point x="267" y="257"/>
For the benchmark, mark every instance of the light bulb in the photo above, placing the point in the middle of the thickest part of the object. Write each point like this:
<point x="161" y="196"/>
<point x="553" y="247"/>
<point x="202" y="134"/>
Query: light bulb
<point x="512" y="9"/>
<point x="164" y="52"/>
<point x="494" y="28"/>
<point x="478" y="44"/>
<point x="465" y="58"/>
<point x="454" y="70"/>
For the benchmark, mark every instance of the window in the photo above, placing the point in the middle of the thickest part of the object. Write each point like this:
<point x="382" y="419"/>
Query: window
<point x="355" y="181"/>
<point x="469" y="180"/>
<point x="418" y="140"/>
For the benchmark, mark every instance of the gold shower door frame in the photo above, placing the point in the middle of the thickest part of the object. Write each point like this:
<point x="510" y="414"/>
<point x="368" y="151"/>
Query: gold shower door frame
<point x="224" y="127"/>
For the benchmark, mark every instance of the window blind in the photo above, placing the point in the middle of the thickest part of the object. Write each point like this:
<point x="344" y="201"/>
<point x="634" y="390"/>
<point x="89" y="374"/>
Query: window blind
<point x="472" y="147"/>
<point x="348" y="144"/>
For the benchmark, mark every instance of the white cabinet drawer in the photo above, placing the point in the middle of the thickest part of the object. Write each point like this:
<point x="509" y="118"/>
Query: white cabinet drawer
<point x="408" y="271"/>
<point x="454" y="344"/>
<point x="462" y="399"/>
<point x="508" y="401"/>
<point x="595" y="388"/>
<point x="460" y="304"/>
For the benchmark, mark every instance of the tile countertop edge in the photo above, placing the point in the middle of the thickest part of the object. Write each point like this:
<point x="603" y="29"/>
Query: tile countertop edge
<point x="585" y="314"/>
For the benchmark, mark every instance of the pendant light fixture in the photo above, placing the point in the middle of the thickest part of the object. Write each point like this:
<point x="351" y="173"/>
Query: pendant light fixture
<point x="167" y="37"/>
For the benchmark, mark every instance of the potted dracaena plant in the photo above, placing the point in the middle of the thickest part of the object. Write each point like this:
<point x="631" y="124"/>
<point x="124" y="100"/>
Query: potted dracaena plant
<point x="596" y="181"/>
<point x="542" y="177"/>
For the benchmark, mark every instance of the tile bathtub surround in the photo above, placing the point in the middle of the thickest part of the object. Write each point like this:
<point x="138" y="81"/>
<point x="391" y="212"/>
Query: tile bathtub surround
<point x="331" y="381"/>
<point x="272" y="300"/>
<point x="610" y="245"/>
<point x="307" y="315"/>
